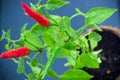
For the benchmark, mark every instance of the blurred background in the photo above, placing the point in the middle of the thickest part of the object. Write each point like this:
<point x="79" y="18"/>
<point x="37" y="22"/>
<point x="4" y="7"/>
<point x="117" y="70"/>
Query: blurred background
<point x="13" y="17"/>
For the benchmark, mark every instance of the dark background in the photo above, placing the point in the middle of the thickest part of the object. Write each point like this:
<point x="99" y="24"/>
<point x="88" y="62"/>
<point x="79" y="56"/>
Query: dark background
<point x="12" y="16"/>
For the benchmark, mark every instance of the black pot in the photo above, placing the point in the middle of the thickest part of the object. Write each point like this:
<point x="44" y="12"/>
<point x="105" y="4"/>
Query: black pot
<point x="110" y="56"/>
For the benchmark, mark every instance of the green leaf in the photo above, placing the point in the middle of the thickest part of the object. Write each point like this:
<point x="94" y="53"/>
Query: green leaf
<point x="22" y="40"/>
<point x="48" y="39"/>
<point x="79" y="64"/>
<point x="98" y="15"/>
<point x="62" y="53"/>
<point x="93" y="44"/>
<point x="35" y="69"/>
<point x="37" y="29"/>
<point x="23" y="29"/>
<point x="32" y="39"/>
<point x="94" y="36"/>
<point x="55" y="4"/>
<point x="7" y="46"/>
<point x="72" y="57"/>
<point x="52" y="74"/>
<point x="75" y="74"/>
<point x="34" y="61"/>
<point x="65" y="23"/>
<point x="55" y="19"/>
<point x="21" y="67"/>
<point x="83" y="61"/>
<point x="30" y="46"/>
<point x="53" y="36"/>
<point x="31" y="76"/>
<point x="95" y="54"/>
<point x="7" y="35"/>
<point x="3" y="35"/>
<point x="70" y="46"/>
<point x="83" y="42"/>
<point x="94" y="39"/>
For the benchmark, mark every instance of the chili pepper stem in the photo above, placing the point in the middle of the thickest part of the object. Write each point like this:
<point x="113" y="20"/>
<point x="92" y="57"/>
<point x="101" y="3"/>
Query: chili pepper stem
<point x="14" y="60"/>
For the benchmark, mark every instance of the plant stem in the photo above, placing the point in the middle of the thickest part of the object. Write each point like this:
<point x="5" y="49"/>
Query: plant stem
<point x="41" y="58"/>
<point x="25" y="74"/>
<point x="39" y="1"/>
<point x="80" y="30"/>
<point x="50" y="62"/>
<point x="77" y="14"/>
<point x="14" y="60"/>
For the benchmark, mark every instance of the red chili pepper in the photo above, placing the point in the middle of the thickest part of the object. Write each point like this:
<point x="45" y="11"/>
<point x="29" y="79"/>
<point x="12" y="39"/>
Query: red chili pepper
<point x="15" y="53"/>
<point x="34" y="15"/>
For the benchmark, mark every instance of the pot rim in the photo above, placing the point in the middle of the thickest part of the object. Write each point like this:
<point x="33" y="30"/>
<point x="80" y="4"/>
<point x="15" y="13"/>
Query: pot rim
<point x="111" y="29"/>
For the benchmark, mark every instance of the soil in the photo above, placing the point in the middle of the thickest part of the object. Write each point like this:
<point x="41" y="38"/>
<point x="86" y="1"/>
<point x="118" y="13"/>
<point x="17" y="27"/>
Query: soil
<point x="110" y="56"/>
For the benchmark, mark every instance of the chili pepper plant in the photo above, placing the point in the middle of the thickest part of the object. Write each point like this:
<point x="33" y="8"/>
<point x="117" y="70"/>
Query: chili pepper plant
<point x="54" y="35"/>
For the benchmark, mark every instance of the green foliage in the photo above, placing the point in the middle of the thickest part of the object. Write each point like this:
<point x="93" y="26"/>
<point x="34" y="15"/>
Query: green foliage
<point x="61" y="53"/>
<point x="94" y="38"/>
<point x="6" y="35"/>
<point x="35" y="69"/>
<point x="95" y="16"/>
<point x="34" y="61"/>
<point x="55" y="4"/>
<point x="98" y="15"/>
<point x="21" y="67"/>
<point x="37" y="29"/>
<point x="65" y="23"/>
<point x="59" y="40"/>
<point x="75" y="74"/>
<point x="83" y="59"/>
<point x="53" y="74"/>
<point x="31" y="76"/>
<point x="7" y="47"/>
<point x="23" y="29"/>
<point x="55" y="19"/>
<point x="70" y="46"/>
<point x="32" y="40"/>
